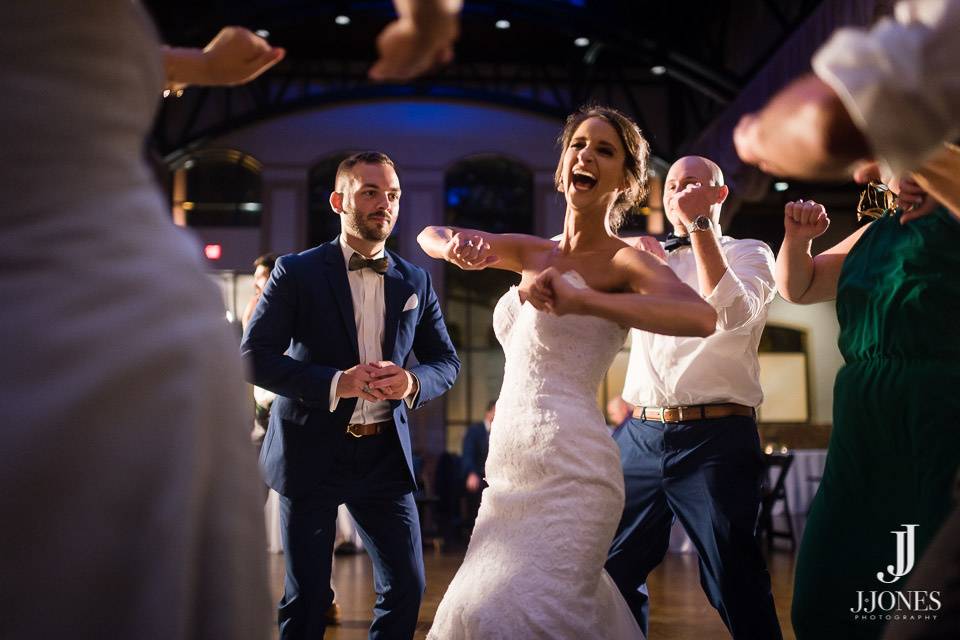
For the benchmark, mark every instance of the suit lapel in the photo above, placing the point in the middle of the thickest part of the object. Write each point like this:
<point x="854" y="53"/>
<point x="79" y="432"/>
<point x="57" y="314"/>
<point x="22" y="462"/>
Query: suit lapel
<point x="337" y="277"/>
<point x="396" y="291"/>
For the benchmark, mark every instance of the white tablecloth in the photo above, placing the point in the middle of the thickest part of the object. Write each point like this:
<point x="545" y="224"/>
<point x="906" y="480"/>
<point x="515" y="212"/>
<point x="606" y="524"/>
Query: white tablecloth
<point x="803" y="479"/>
<point x="800" y="484"/>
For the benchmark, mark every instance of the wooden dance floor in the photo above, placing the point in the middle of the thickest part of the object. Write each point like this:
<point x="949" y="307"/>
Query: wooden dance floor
<point x="679" y="610"/>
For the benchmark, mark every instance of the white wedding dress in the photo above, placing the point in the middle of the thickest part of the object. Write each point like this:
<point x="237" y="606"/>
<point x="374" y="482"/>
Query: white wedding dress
<point x="534" y="567"/>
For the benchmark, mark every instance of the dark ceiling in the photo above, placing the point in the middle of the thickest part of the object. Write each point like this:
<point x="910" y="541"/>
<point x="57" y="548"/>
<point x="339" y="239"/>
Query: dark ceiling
<point x="707" y="53"/>
<point x="706" y="50"/>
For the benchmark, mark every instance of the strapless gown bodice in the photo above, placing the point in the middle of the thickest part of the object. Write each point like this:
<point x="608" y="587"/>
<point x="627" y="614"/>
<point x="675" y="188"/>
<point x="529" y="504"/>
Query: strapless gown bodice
<point x="578" y="349"/>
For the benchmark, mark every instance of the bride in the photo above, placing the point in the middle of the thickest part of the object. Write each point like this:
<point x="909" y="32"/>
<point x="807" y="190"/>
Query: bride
<point x="534" y="566"/>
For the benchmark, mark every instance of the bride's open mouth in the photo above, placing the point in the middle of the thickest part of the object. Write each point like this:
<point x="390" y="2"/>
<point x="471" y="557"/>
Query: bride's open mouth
<point x="583" y="180"/>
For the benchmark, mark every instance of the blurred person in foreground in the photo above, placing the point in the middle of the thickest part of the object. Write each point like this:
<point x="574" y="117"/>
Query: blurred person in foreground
<point x="890" y="94"/>
<point x="122" y="391"/>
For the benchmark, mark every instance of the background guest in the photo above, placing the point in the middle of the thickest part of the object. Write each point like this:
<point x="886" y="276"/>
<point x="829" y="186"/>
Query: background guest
<point x="262" y="267"/>
<point x="618" y="412"/>
<point x="476" y="444"/>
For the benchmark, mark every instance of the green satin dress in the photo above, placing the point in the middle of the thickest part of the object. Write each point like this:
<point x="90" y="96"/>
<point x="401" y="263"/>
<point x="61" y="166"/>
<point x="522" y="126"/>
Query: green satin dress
<point x="895" y="445"/>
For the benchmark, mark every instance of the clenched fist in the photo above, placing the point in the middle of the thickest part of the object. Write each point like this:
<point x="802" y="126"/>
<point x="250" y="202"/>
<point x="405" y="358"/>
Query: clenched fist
<point x="552" y="292"/>
<point x="469" y="252"/>
<point x="805" y="220"/>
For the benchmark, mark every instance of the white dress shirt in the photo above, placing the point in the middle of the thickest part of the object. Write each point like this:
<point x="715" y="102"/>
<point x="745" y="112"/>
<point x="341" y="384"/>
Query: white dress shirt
<point x="667" y="371"/>
<point x="899" y="81"/>
<point x="369" y="315"/>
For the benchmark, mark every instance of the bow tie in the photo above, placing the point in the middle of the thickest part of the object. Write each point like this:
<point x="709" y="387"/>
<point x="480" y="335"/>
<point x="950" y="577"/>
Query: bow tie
<point x="672" y="243"/>
<point x="380" y="265"/>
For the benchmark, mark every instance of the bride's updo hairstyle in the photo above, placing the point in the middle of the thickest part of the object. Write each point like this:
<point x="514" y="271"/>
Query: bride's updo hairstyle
<point x="635" y="146"/>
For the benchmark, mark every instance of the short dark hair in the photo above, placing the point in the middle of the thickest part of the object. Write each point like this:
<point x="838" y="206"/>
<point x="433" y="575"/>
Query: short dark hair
<point x="491" y="405"/>
<point x="364" y="157"/>
<point x="635" y="146"/>
<point x="266" y="260"/>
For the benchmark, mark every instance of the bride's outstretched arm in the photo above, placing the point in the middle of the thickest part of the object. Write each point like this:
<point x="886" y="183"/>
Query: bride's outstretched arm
<point x="471" y="249"/>
<point x="656" y="300"/>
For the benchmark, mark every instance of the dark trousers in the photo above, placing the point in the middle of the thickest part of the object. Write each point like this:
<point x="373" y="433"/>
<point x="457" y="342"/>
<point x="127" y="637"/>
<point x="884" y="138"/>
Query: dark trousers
<point x="370" y="476"/>
<point x="707" y="473"/>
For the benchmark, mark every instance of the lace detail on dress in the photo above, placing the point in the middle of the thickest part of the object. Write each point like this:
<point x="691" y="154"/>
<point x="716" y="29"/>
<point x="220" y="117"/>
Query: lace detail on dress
<point x="534" y="567"/>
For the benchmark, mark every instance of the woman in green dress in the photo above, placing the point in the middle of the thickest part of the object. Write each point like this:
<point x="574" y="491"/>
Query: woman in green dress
<point x="895" y="445"/>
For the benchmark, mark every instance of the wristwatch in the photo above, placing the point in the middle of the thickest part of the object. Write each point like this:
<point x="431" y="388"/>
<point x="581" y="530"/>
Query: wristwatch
<point x="700" y="223"/>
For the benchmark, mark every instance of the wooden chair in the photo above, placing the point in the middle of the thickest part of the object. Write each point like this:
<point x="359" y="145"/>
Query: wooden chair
<point x="772" y="492"/>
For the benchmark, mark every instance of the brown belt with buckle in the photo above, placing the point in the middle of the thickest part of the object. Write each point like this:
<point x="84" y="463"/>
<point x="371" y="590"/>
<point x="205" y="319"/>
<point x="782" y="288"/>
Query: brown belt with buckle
<point x="372" y="429"/>
<point x="692" y="412"/>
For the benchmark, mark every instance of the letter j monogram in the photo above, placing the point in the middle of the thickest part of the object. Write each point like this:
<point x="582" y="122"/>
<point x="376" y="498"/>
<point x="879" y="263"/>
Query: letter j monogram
<point x="906" y="550"/>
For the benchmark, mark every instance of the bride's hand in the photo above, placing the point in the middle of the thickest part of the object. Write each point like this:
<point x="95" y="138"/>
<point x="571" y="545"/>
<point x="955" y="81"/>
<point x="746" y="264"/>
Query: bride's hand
<point x="558" y="295"/>
<point x="540" y="295"/>
<point x="469" y="252"/>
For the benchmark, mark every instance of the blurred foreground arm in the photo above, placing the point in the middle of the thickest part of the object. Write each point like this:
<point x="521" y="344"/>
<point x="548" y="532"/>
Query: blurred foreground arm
<point x="892" y="93"/>
<point x="234" y="56"/>
<point x="419" y="39"/>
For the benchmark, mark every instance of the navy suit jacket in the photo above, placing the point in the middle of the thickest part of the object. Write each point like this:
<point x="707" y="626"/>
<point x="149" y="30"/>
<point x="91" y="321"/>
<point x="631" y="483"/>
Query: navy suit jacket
<point x="302" y="332"/>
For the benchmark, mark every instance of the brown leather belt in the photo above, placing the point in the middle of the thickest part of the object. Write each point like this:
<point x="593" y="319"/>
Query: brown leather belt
<point x="692" y="412"/>
<point x="372" y="429"/>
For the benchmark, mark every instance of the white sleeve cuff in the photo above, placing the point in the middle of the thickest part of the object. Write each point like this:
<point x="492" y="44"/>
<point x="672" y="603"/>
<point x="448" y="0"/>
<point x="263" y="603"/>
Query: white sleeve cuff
<point x="411" y="399"/>
<point x="334" y="400"/>
<point x="726" y="291"/>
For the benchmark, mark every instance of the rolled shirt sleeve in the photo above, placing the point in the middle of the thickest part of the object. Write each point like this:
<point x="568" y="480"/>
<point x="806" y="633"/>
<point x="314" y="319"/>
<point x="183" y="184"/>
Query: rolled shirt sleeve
<point x="900" y="81"/>
<point x="747" y="287"/>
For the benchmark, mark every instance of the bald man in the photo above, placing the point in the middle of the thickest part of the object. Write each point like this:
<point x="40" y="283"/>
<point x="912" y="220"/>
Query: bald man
<point x="691" y="449"/>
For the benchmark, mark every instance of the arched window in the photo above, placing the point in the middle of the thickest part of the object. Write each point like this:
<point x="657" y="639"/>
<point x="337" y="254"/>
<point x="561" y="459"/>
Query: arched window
<point x="490" y="193"/>
<point x="217" y="188"/>
<point x="323" y="224"/>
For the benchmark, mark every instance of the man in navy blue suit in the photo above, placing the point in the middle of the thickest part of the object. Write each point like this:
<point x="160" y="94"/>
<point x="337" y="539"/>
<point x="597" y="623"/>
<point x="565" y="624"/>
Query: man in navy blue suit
<point x="331" y="336"/>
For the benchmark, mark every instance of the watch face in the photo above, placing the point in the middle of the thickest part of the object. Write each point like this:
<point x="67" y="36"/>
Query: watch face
<point x="702" y="223"/>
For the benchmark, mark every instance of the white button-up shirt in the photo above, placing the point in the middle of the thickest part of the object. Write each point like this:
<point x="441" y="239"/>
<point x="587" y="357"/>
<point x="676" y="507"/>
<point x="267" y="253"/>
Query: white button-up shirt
<point x="667" y="371"/>
<point x="369" y="315"/>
